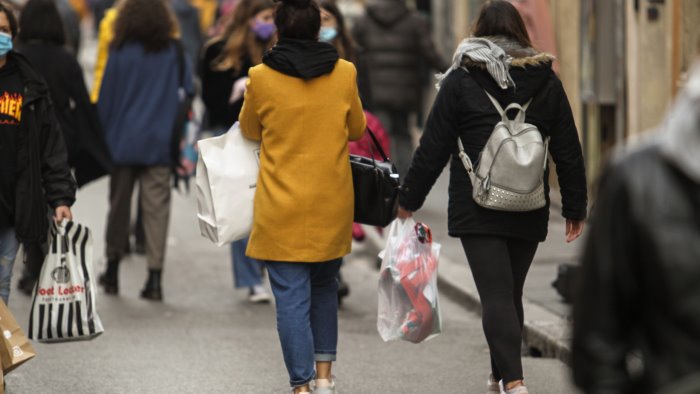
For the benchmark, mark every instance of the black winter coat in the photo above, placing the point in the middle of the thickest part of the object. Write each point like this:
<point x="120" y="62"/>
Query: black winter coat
<point x="43" y="176"/>
<point x="82" y="130"/>
<point x="217" y="87"/>
<point x="462" y="109"/>
<point x="639" y="292"/>
<point x="397" y="44"/>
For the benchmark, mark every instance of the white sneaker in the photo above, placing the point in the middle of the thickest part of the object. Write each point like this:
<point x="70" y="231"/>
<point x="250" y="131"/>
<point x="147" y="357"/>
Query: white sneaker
<point x="493" y="387"/>
<point x="324" y="386"/>
<point x="518" y="390"/>
<point x="258" y="295"/>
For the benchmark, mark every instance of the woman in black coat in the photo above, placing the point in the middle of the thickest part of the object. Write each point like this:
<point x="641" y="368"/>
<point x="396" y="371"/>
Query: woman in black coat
<point x="42" y="40"/>
<point x="500" y="246"/>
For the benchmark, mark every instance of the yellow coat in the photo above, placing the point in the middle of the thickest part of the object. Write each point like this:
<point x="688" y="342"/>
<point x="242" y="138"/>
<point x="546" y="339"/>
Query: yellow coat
<point x="304" y="199"/>
<point x="104" y="40"/>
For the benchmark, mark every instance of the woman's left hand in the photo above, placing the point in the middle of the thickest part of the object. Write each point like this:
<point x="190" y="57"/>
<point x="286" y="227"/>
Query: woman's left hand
<point x="403" y="213"/>
<point x="574" y="228"/>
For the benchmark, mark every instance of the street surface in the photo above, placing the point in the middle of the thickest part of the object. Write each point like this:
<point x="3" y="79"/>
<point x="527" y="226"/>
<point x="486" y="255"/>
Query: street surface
<point x="206" y="338"/>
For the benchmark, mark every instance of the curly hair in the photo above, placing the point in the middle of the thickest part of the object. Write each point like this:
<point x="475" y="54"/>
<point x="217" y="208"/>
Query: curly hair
<point x="148" y="22"/>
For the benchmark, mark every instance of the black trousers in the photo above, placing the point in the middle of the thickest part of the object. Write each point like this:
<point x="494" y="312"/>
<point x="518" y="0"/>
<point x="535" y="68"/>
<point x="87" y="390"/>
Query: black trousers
<point x="499" y="266"/>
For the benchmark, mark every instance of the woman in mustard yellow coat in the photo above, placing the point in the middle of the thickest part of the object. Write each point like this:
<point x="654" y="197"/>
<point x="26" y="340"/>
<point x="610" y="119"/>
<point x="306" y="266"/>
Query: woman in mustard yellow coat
<point x="302" y="103"/>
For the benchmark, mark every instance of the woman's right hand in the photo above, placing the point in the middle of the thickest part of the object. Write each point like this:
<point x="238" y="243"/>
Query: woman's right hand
<point x="403" y="213"/>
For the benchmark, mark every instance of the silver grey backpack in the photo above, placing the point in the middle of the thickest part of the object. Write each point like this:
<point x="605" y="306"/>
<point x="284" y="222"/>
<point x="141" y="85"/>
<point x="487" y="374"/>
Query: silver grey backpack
<point x="509" y="175"/>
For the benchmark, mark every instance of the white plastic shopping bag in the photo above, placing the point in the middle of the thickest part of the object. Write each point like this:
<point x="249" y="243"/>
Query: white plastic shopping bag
<point x="227" y="173"/>
<point x="64" y="306"/>
<point x="408" y="295"/>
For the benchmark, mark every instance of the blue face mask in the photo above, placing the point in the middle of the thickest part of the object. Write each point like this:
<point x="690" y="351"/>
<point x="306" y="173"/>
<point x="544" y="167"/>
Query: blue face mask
<point x="5" y="43"/>
<point x="328" y="34"/>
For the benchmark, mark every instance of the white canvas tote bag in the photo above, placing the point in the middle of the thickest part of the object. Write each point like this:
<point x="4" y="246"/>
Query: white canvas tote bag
<point x="227" y="173"/>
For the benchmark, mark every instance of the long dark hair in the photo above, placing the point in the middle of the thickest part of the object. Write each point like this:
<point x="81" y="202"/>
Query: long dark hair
<point x="344" y="43"/>
<point x="298" y="19"/>
<point x="500" y="18"/>
<point x="148" y="22"/>
<point x="41" y="21"/>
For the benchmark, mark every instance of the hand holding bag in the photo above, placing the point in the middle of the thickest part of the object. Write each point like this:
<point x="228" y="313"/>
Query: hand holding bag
<point x="376" y="186"/>
<point x="227" y="174"/>
<point x="64" y="306"/>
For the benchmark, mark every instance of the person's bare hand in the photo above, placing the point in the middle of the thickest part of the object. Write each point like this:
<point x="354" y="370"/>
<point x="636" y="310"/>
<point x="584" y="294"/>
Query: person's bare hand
<point x="403" y="213"/>
<point x="574" y="228"/>
<point x="62" y="212"/>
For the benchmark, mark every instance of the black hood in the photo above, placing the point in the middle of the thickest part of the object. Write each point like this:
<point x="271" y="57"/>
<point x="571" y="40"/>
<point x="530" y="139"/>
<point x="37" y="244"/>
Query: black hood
<point x="304" y="59"/>
<point x="387" y="12"/>
<point x="35" y="85"/>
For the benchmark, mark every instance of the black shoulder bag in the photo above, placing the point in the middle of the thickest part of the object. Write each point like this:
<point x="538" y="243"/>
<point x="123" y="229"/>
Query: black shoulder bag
<point x="376" y="185"/>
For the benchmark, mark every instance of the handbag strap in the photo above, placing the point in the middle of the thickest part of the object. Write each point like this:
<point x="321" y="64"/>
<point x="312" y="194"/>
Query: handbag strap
<point x="378" y="146"/>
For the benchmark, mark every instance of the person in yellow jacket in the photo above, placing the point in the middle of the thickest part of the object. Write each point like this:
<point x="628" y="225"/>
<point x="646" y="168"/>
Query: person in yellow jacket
<point x="104" y="41"/>
<point x="303" y="105"/>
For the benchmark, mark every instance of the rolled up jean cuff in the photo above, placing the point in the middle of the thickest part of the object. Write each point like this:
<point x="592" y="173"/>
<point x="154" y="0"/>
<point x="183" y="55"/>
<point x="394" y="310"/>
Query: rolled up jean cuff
<point x="300" y="383"/>
<point x="325" y="357"/>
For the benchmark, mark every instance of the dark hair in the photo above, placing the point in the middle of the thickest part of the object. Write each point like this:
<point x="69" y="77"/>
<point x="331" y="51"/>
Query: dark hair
<point x="40" y="20"/>
<point x="500" y="18"/>
<point x="298" y="19"/>
<point x="148" y="22"/>
<point x="346" y="49"/>
<point x="8" y="10"/>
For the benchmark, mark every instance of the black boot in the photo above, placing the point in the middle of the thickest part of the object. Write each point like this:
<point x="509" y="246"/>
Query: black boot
<point x="152" y="290"/>
<point x="110" y="279"/>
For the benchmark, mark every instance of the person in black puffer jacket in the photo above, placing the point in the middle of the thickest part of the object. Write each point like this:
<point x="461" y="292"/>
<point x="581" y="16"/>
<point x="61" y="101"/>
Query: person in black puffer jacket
<point x="397" y="45"/>
<point x="638" y="295"/>
<point x="41" y="40"/>
<point x="500" y="246"/>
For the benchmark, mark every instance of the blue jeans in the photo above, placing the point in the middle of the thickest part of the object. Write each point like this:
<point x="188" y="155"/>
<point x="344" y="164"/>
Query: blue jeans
<point x="8" y="252"/>
<point x="306" y="295"/>
<point x="247" y="272"/>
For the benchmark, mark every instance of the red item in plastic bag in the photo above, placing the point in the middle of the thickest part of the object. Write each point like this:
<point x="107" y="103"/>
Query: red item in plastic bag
<point x="416" y="270"/>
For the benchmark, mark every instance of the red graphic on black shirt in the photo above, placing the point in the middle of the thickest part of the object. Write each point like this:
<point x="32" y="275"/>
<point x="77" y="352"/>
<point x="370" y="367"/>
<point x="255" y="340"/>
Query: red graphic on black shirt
<point x="11" y="108"/>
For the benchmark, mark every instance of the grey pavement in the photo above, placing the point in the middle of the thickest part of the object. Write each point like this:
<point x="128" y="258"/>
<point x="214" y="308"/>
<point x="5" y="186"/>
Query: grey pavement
<point x="206" y="338"/>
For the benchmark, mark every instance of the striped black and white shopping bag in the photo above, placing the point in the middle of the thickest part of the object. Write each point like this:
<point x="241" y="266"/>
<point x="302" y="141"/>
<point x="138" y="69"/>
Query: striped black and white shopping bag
<point x="64" y="306"/>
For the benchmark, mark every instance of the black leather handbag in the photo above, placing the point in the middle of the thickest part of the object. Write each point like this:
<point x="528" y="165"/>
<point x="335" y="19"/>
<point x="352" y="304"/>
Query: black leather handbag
<point x="376" y="185"/>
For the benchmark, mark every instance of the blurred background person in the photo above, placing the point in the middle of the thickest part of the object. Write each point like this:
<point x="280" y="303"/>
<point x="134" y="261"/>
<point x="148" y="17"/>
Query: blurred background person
<point x="139" y="101"/>
<point x="397" y="43"/>
<point x="224" y="70"/>
<point x="303" y="105"/>
<point x="335" y="32"/>
<point x="42" y="40"/>
<point x="637" y="312"/>
<point x="190" y="28"/>
<point x="34" y="169"/>
<point x="499" y="245"/>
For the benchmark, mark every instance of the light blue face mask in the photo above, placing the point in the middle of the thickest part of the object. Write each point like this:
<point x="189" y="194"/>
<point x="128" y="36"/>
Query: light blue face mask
<point x="5" y="44"/>
<point x="328" y="34"/>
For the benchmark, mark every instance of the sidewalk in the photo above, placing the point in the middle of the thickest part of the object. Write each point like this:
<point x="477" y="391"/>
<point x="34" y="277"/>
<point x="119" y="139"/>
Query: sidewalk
<point x="547" y="318"/>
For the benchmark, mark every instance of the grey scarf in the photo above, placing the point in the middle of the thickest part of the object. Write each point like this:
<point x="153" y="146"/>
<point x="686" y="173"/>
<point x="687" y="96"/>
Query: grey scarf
<point x="485" y="51"/>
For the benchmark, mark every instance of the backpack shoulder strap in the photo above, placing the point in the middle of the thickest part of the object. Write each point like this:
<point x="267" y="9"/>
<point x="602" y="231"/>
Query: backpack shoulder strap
<point x="495" y="103"/>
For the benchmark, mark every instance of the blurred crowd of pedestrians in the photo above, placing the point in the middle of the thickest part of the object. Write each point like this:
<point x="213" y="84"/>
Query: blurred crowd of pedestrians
<point x="282" y="66"/>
